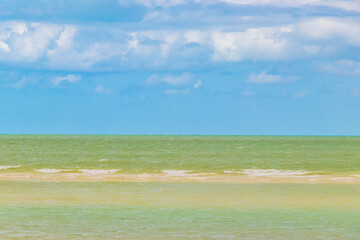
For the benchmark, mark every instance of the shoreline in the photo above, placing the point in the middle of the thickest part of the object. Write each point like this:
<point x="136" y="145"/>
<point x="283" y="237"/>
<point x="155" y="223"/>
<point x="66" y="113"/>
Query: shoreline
<point x="195" y="177"/>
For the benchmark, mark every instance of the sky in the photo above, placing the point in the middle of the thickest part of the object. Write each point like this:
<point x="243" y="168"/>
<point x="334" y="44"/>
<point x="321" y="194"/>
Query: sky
<point x="227" y="67"/>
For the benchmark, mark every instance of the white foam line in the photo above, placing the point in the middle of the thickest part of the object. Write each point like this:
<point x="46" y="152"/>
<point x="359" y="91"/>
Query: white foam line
<point x="270" y="172"/>
<point x="51" y="170"/>
<point x="142" y="175"/>
<point x="8" y="167"/>
<point x="176" y="173"/>
<point x="346" y="179"/>
<point x="98" y="171"/>
<point x="185" y="174"/>
<point x="232" y="172"/>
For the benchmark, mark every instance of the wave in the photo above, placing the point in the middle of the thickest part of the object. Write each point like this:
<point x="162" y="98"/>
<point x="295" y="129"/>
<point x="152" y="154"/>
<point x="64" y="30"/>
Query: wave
<point x="51" y="170"/>
<point x="99" y="171"/>
<point x="176" y="173"/>
<point x="270" y="172"/>
<point x="8" y="167"/>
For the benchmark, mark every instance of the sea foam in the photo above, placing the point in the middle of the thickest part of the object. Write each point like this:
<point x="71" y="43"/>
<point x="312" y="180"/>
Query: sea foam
<point x="51" y="170"/>
<point x="8" y="167"/>
<point x="176" y="173"/>
<point x="270" y="172"/>
<point x="98" y="171"/>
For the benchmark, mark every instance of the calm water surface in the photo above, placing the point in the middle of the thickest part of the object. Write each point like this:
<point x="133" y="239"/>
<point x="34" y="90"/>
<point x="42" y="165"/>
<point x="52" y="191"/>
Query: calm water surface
<point x="178" y="210"/>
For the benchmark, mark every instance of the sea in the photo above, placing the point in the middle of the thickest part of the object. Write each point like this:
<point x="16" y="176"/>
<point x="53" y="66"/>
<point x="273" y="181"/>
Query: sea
<point x="179" y="187"/>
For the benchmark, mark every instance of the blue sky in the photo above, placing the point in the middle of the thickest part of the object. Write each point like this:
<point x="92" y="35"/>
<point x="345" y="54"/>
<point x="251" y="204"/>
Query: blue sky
<point x="180" y="67"/>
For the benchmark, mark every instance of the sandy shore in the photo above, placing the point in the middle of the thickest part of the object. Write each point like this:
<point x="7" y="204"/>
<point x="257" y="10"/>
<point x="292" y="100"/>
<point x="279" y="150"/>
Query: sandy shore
<point x="195" y="177"/>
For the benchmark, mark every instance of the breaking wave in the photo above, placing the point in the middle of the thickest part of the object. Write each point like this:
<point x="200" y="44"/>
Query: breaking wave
<point x="8" y="167"/>
<point x="51" y="170"/>
<point x="99" y="171"/>
<point x="270" y="172"/>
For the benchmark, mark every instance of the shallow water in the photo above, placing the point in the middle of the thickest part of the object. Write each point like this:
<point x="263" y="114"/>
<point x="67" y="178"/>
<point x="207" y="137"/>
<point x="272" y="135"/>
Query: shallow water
<point x="99" y="222"/>
<point x="115" y="210"/>
<point x="103" y="209"/>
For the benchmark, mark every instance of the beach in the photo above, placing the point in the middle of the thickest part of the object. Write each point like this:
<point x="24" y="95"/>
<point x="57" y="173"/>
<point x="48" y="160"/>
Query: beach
<point x="180" y="119"/>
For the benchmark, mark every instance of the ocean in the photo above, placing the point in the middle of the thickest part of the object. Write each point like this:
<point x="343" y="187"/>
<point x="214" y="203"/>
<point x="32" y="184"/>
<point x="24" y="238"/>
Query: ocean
<point x="179" y="187"/>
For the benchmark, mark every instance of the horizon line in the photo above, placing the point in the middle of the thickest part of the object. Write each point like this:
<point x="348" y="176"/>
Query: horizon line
<point x="215" y="135"/>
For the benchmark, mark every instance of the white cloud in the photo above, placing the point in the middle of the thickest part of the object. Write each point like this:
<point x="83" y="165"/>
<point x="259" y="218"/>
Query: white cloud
<point x="341" y="4"/>
<point x="183" y="84"/>
<point x="180" y="80"/>
<point x="287" y="42"/>
<point x="344" y="5"/>
<point x="4" y="47"/>
<point x="100" y="89"/>
<point x="271" y="43"/>
<point x="183" y="79"/>
<point x="86" y="58"/>
<point x="68" y="47"/>
<point x="69" y="78"/>
<point x="65" y="40"/>
<point x="316" y="37"/>
<point x="265" y="78"/>
<point x="153" y="3"/>
<point x="257" y="44"/>
<point x="29" y="43"/>
<point x="347" y="5"/>
<point x="53" y="46"/>
<point x="331" y="28"/>
<point x="341" y="67"/>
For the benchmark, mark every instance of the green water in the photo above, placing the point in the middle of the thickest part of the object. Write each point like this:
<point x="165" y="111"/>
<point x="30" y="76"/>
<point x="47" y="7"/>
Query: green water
<point x="115" y="210"/>
<point x="98" y="222"/>
<point x="179" y="210"/>
<point x="199" y="153"/>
